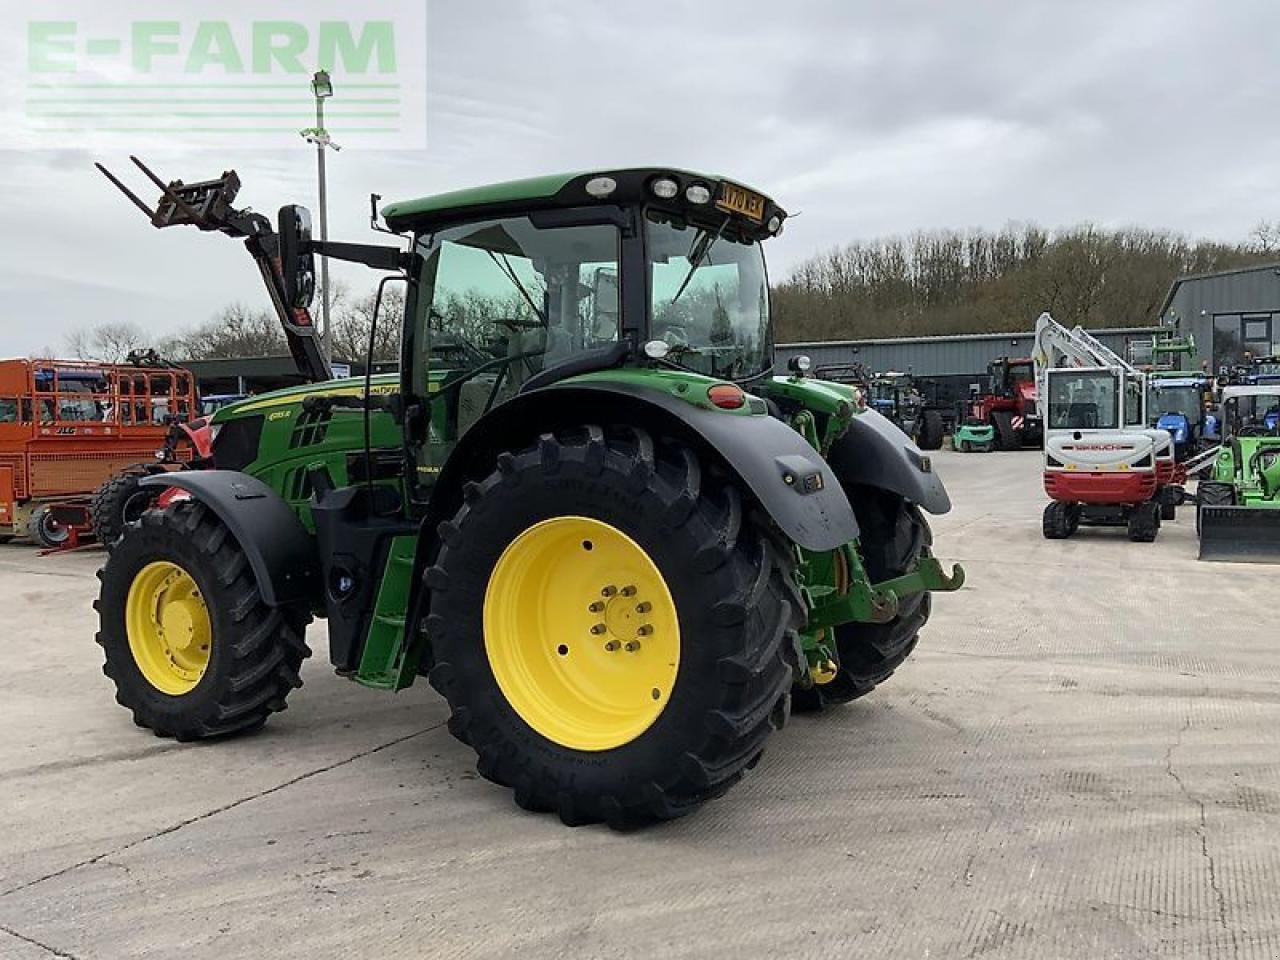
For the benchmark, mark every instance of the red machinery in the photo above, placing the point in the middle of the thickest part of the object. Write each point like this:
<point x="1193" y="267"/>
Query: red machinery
<point x="66" y="426"/>
<point x="1010" y="405"/>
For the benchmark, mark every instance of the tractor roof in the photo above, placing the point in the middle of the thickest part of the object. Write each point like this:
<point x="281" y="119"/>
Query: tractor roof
<point x="1250" y="391"/>
<point x="631" y="185"/>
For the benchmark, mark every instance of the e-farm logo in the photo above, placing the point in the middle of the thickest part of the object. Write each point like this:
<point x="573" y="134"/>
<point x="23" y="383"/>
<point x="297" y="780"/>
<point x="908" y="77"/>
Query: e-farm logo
<point x="246" y="74"/>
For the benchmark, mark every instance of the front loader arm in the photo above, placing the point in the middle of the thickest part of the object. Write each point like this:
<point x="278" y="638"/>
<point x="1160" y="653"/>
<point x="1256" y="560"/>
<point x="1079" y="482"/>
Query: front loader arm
<point x="207" y="205"/>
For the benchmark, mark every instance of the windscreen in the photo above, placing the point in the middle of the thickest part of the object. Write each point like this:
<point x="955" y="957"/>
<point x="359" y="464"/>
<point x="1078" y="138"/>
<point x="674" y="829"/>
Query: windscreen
<point x="710" y="300"/>
<point x="1184" y="400"/>
<point x="1083" y="400"/>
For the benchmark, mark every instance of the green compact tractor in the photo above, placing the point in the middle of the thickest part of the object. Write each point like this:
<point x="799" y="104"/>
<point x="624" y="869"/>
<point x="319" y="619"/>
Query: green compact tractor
<point x="1238" y="504"/>
<point x="585" y="509"/>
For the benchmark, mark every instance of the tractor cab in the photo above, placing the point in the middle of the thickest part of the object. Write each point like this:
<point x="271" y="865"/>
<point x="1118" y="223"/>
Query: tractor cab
<point x="1251" y="411"/>
<point x="1178" y="405"/>
<point x="590" y="271"/>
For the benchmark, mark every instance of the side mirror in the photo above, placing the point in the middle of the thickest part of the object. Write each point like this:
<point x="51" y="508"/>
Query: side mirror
<point x="297" y="262"/>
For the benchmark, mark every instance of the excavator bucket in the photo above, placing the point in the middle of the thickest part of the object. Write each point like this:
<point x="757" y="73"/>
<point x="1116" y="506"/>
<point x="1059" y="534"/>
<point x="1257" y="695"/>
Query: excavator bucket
<point x="1240" y="534"/>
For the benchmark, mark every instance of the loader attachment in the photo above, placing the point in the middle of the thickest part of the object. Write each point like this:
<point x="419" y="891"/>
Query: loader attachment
<point x="1237" y="534"/>
<point x="209" y="206"/>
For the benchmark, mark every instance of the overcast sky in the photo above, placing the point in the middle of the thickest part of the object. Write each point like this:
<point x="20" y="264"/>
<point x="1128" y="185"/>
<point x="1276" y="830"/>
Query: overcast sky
<point x="864" y="118"/>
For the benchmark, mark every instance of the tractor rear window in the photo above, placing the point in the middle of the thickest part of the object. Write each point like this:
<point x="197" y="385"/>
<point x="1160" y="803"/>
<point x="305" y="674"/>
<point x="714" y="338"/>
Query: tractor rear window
<point x="8" y="410"/>
<point x="1083" y="401"/>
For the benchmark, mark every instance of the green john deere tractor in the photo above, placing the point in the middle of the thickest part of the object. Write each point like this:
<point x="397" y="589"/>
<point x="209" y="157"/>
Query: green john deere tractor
<point x="585" y="508"/>
<point x="1238" y="504"/>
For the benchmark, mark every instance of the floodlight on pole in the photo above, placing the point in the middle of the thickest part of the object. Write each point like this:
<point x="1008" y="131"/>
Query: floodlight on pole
<point x="322" y="90"/>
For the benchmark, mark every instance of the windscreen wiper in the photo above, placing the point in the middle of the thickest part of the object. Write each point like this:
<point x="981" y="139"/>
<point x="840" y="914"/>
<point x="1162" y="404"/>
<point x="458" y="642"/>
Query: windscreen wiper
<point x="509" y="272"/>
<point x="698" y="252"/>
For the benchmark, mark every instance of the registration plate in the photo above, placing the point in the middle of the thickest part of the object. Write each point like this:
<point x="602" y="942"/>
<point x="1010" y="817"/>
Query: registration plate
<point x="738" y="199"/>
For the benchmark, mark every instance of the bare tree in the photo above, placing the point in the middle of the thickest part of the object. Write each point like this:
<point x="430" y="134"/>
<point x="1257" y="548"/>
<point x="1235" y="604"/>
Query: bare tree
<point x="109" y="342"/>
<point x="947" y="282"/>
<point x="353" y="323"/>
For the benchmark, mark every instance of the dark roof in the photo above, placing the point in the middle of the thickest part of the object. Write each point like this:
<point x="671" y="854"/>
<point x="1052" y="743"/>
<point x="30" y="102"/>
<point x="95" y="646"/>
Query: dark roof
<point x="1173" y="287"/>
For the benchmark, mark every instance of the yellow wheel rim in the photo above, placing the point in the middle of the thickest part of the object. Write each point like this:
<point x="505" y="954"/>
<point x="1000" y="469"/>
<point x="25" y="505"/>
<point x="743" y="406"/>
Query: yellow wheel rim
<point x="581" y="633"/>
<point x="168" y="627"/>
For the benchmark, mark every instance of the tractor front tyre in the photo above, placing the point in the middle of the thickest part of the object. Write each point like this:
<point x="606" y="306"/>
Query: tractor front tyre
<point x="1006" y="435"/>
<point x="121" y="501"/>
<point x="894" y="537"/>
<point x="615" y="636"/>
<point x="931" y="431"/>
<point x="1211" y="494"/>
<point x="1144" y="522"/>
<point x="1060" y="520"/>
<point x="193" y="650"/>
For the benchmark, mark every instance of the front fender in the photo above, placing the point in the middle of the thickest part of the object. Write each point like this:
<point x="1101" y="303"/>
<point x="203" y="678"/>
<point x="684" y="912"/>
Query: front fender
<point x="280" y="552"/>
<point x="875" y="453"/>
<point x="794" y="485"/>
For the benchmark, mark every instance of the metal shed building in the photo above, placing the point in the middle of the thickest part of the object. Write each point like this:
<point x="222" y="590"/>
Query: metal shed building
<point x="961" y="355"/>
<point x="1229" y="313"/>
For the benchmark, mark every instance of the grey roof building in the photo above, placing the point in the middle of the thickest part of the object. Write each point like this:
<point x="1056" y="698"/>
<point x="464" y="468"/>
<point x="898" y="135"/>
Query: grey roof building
<point x="1229" y="313"/>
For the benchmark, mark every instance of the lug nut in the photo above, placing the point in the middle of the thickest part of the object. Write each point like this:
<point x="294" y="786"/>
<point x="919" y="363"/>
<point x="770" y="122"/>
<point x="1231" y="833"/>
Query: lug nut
<point x="609" y="591"/>
<point x="612" y="646"/>
<point x="628" y="591"/>
<point x="596" y="607"/>
<point x="645" y="630"/>
<point x="644" y="607"/>
<point x="632" y="646"/>
<point x="598" y="629"/>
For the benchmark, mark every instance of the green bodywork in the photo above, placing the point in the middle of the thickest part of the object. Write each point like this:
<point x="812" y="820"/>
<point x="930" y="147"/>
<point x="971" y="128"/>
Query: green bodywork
<point x="293" y="439"/>
<point x="969" y="437"/>
<point x="1252" y="466"/>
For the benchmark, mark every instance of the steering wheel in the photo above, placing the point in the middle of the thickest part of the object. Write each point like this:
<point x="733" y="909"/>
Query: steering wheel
<point x="1253" y="431"/>
<point x="500" y="363"/>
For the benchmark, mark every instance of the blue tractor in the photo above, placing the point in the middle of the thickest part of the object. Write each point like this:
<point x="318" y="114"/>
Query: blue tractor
<point x="1179" y="405"/>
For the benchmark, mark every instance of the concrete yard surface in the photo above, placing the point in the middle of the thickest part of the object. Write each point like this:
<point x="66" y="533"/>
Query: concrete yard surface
<point x="1081" y="760"/>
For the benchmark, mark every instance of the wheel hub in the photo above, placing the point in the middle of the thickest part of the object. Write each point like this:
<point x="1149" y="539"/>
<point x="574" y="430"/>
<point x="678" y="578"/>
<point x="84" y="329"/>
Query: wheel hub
<point x="168" y="625"/>
<point x="581" y="633"/>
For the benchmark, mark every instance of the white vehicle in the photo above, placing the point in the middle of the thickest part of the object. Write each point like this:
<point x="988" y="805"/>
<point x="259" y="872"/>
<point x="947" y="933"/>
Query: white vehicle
<point x="1102" y="464"/>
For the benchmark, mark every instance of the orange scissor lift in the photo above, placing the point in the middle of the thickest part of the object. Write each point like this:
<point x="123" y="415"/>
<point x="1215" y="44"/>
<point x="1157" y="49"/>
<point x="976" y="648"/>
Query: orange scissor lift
<point x="66" y="426"/>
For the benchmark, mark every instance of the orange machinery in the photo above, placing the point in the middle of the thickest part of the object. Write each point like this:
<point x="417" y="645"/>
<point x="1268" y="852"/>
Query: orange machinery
<point x="67" y="425"/>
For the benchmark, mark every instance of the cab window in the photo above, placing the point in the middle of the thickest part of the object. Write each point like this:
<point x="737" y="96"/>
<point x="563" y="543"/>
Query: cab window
<point x="501" y="301"/>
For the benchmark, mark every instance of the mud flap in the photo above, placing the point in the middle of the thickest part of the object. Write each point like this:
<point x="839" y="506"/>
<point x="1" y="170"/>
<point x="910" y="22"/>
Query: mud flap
<point x="1240" y="534"/>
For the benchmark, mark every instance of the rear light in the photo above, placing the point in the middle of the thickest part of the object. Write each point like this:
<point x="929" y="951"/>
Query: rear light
<point x="726" y="396"/>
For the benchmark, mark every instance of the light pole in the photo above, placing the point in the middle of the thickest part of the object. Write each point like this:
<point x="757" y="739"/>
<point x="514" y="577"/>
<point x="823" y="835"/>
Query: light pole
<point x="322" y="88"/>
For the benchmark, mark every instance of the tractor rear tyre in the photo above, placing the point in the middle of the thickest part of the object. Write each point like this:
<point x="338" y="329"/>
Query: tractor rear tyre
<point x="615" y="636"/>
<point x="120" y="501"/>
<point x="1211" y="494"/>
<point x="45" y="530"/>
<point x="193" y="650"/>
<point x="1144" y="522"/>
<point x="931" y="431"/>
<point x="1006" y="436"/>
<point x="1060" y="520"/>
<point x="894" y="536"/>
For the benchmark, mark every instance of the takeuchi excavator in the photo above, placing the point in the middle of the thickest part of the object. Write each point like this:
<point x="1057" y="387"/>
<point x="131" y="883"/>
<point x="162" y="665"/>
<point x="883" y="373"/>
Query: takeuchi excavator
<point x="1102" y="464"/>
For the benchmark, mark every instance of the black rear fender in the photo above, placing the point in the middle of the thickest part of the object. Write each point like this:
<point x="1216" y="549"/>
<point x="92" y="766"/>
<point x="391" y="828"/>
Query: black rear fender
<point x="789" y="479"/>
<point x="875" y="453"/>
